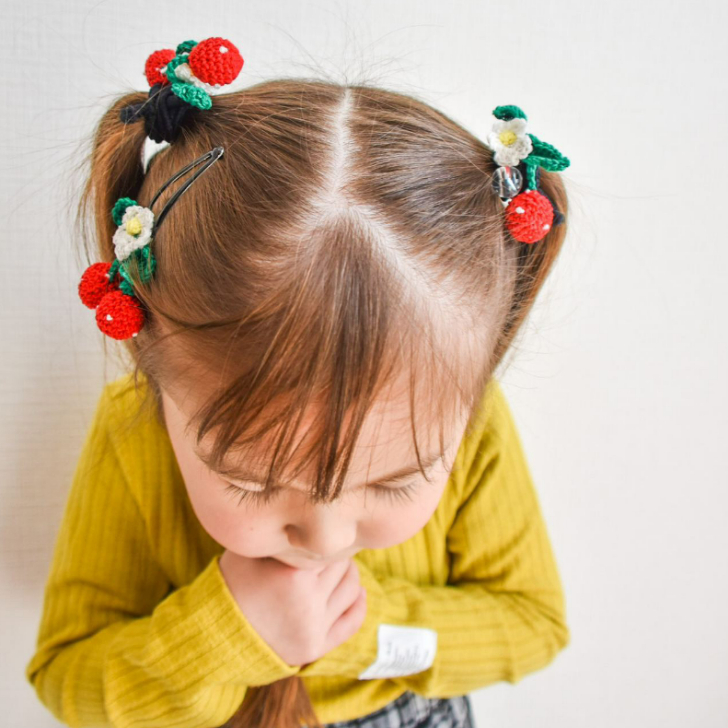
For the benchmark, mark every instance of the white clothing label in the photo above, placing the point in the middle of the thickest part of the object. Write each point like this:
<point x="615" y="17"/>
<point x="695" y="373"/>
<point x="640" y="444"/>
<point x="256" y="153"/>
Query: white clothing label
<point x="402" y="651"/>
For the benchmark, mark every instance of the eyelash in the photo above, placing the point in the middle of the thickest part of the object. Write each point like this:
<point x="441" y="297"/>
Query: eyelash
<point x="395" y="494"/>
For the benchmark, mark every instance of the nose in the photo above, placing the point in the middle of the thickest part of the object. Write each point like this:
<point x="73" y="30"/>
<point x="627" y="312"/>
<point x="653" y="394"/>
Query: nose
<point x="322" y="530"/>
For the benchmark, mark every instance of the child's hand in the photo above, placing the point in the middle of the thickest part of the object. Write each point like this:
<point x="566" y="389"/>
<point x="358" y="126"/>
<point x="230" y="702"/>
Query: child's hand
<point x="302" y="614"/>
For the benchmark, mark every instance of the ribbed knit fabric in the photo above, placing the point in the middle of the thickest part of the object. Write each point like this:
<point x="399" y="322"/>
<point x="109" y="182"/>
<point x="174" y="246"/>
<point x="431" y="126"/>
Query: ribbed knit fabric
<point x="139" y="628"/>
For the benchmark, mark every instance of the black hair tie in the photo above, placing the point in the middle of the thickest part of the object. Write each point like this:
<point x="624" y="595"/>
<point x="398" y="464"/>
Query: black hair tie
<point x="164" y="113"/>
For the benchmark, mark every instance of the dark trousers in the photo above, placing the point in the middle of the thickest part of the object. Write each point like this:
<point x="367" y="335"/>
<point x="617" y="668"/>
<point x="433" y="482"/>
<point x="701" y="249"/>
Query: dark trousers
<point x="410" y="710"/>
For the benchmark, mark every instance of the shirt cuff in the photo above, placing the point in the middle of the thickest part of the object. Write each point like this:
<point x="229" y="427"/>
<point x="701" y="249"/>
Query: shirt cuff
<point x="247" y="654"/>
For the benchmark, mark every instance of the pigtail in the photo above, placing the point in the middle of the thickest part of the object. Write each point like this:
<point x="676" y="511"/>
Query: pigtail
<point x="282" y="704"/>
<point x="115" y="171"/>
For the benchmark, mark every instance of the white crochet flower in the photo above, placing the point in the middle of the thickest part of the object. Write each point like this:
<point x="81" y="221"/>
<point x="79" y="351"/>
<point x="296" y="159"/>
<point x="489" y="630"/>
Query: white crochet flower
<point x="134" y="232"/>
<point x="184" y="73"/>
<point x="509" y="141"/>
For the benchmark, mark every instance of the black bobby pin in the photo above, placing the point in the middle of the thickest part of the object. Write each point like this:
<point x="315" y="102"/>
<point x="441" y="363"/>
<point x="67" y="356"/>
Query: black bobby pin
<point x="209" y="158"/>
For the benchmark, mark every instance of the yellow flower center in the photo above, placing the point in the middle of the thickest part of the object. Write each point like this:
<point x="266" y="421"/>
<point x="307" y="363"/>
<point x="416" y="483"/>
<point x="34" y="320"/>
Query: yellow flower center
<point x="134" y="226"/>
<point x="507" y="138"/>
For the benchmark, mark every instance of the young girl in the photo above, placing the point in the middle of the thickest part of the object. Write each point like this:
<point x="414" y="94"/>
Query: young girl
<point x="308" y="503"/>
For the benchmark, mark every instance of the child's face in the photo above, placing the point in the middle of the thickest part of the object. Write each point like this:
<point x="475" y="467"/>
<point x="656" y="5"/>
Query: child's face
<point x="305" y="535"/>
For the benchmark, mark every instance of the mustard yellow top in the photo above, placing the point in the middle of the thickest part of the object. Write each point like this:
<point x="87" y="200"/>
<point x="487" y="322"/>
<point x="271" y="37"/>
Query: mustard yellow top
<point x="139" y="628"/>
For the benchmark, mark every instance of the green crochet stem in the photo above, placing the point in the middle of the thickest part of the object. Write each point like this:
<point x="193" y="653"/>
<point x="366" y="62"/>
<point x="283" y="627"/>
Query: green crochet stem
<point x="193" y="95"/>
<point x="146" y="264"/>
<point x="185" y="46"/>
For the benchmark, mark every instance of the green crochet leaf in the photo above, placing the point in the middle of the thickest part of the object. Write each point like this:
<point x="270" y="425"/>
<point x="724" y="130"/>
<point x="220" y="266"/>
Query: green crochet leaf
<point x="192" y="95"/>
<point x="547" y="156"/>
<point x="506" y="113"/>
<point x="119" y="208"/>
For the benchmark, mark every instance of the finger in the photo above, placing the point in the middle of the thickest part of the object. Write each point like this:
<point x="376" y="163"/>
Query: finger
<point x="345" y="592"/>
<point x="349" y="623"/>
<point x="333" y="574"/>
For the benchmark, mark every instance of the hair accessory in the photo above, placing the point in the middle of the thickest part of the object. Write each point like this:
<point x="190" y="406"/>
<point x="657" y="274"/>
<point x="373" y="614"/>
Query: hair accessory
<point x="108" y="287"/>
<point x="181" y="80"/>
<point x="529" y="214"/>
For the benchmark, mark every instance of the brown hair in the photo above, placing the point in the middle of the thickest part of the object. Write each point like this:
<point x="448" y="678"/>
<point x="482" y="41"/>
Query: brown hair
<point x="348" y="233"/>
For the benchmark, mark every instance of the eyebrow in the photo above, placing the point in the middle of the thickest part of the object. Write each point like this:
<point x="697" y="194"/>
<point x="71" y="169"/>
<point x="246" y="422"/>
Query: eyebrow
<point x="241" y="473"/>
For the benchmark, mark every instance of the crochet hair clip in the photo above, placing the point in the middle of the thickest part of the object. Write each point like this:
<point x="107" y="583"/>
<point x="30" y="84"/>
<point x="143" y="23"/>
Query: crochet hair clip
<point x="183" y="81"/>
<point x="108" y="287"/>
<point x="519" y="155"/>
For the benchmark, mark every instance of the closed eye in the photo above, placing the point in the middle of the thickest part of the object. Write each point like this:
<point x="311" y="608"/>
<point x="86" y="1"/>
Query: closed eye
<point x="403" y="493"/>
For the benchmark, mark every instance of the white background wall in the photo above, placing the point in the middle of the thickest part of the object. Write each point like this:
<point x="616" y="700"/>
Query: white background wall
<point x="618" y="385"/>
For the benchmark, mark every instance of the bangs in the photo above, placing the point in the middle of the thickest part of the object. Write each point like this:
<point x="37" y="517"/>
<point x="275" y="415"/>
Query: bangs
<point x="267" y="409"/>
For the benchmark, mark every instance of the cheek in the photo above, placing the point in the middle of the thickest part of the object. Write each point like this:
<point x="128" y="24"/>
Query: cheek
<point x="248" y="533"/>
<point x="232" y="526"/>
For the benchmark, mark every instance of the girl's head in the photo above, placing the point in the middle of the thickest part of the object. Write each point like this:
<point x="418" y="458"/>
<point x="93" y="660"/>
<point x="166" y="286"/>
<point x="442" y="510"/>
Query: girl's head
<point x="385" y="499"/>
<point x="330" y="301"/>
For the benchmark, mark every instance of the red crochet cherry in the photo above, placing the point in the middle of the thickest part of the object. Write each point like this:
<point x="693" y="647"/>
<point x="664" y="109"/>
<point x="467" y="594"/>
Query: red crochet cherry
<point x="120" y="316"/>
<point x="95" y="284"/>
<point x="215" y="61"/>
<point x="529" y="216"/>
<point x="154" y="65"/>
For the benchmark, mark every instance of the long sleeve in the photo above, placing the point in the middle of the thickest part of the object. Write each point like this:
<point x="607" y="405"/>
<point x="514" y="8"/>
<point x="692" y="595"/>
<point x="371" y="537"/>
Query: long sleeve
<point x="502" y="613"/>
<point x="115" y="646"/>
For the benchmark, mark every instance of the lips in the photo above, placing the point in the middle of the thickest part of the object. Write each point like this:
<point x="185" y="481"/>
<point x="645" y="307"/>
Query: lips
<point x="304" y="563"/>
